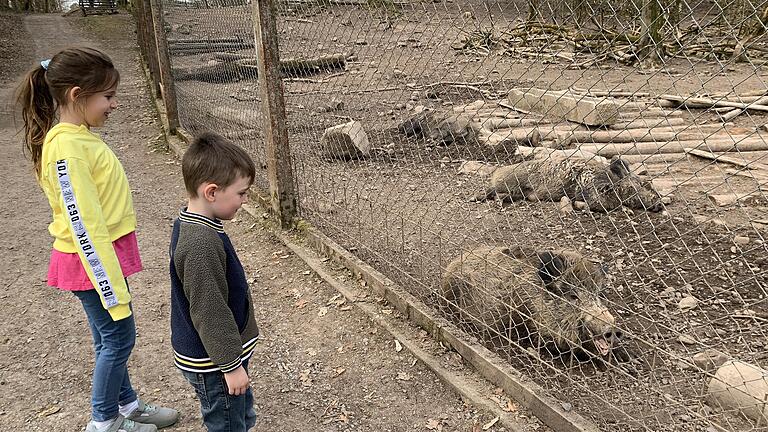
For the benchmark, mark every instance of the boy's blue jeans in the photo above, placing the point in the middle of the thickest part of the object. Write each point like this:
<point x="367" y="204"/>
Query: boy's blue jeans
<point x="221" y="411"/>
<point x="113" y="342"/>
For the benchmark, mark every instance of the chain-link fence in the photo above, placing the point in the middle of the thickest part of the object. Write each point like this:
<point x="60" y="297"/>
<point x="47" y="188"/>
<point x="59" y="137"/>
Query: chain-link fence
<point x="578" y="184"/>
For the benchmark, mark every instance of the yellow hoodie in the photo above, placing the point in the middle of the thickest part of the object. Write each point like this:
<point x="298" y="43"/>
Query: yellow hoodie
<point x="92" y="207"/>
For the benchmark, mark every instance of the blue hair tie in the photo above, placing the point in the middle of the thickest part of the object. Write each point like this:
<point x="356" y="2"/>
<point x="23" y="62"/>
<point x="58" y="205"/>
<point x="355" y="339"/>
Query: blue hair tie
<point x="45" y="63"/>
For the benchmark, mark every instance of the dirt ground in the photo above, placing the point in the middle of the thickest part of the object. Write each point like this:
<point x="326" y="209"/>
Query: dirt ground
<point x="12" y="53"/>
<point x="405" y="209"/>
<point x="320" y="364"/>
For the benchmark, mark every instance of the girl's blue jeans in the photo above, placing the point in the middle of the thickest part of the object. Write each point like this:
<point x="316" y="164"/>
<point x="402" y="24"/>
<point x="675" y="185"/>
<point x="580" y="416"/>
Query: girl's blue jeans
<point x="113" y="342"/>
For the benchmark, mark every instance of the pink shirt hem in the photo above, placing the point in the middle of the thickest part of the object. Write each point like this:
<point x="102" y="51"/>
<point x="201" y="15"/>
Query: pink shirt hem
<point x="66" y="272"/>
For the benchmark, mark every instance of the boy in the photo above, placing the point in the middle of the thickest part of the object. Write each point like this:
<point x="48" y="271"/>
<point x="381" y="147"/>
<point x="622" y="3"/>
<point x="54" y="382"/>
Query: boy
<point x="213" y="330"/>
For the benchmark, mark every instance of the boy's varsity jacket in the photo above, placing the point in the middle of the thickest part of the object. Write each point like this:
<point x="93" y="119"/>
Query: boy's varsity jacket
<point x="212" y="321"/>
<point x="91" y="201"/>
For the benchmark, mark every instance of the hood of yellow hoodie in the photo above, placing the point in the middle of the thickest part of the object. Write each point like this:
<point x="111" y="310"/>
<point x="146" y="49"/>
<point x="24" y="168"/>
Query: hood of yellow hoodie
<point x="61" y="128"/>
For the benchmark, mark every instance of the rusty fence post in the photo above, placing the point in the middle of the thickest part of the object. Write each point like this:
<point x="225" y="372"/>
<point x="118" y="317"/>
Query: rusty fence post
<point x="279" y="168"/>
<point x="164" y="64"/>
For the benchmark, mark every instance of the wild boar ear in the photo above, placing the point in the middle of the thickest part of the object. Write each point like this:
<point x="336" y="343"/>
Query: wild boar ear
<point x="551" y="266"/>
<point x="520" y="252"/>
<point x="620" y="168"/>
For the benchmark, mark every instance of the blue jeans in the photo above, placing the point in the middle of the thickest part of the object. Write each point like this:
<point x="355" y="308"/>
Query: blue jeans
<point x="221" y="411"/>
<point x="113" y="342"/>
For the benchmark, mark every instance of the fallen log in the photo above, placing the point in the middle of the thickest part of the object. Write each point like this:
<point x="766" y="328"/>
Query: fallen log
<point x="694" y="102"/>
<point x="649" y="148"/>
<point x="648" y="123"/>
<point x="749" y="93"/>
<point x="511" y="138"/>
<point x="608" y="93"/>
<point x="546" y="153"/>
<point x="758" y="176"/>
<point x="495" y="123"/>
<point x="312" y="65"/>
<point x="550" y="132"/>
<point x="744" y="99"/>
<point x="650" y="135"/>
<point x="664" y="158"/>
<point x="721" y="110"/>
<point x="738" y="111"/>
<point x="753" y="165"/>
<point x="247" y="68"/>
<point x="653" y="112"/>
<point x="565" y="105"/>
<point x="632" y="106"/>
<point x="663" y="103"/>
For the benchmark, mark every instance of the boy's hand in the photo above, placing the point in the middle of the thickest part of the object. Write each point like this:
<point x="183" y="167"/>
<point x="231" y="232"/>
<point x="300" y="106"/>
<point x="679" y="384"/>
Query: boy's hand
<point x="237" y="381"/>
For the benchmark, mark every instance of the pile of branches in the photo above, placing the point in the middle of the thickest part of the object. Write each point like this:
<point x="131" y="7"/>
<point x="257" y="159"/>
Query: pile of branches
<point x="587" y="46"/>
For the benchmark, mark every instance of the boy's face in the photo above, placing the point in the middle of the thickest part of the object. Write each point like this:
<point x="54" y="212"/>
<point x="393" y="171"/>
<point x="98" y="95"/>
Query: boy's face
<point x="227" y="201"/>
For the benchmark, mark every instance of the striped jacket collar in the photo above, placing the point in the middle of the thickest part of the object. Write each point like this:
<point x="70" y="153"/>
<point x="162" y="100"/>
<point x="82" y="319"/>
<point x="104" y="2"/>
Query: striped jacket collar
<point x="194" y="218"/>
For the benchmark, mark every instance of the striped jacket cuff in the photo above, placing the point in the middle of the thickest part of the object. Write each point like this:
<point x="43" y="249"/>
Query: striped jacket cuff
<point x="231" y="366"/>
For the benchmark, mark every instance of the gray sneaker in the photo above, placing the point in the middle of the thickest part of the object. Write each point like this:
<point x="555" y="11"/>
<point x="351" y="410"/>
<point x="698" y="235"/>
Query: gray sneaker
<point x="122" y="424"/>
<point x="153" y="415"/>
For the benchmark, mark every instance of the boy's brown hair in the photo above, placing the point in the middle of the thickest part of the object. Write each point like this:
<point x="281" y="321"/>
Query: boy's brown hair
<point x="214" y="159"/>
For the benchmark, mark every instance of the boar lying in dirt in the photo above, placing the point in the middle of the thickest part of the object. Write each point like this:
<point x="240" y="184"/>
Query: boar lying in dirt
<point x="441" y="129"/>
<point x="550" y="299"/>
<point x="603" y="187"/>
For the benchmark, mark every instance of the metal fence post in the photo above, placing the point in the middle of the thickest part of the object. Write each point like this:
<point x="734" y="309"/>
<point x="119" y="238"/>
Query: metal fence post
<point x="164" y="64"/>
<point x="279" y="168"/>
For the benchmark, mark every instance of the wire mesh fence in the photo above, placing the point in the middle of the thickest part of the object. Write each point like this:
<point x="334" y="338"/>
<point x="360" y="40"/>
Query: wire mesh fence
<point x="580" y="185"/>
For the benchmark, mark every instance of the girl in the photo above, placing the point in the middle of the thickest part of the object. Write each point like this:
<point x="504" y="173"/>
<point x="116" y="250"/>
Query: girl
<point x="93" y="226"/>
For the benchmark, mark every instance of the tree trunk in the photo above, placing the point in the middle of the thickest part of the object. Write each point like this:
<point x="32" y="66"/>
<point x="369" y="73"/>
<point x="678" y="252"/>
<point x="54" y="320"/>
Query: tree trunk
<point x="651" y="51"/>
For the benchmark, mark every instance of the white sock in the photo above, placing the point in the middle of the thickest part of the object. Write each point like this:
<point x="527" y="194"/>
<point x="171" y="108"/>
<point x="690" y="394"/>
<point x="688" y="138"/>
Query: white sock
<point x="126" y="410"/>
<point x="102" y="425"/>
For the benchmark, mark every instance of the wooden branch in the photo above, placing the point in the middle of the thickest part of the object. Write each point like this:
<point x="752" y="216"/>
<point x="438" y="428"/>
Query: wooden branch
<point x="758" y="176"/>
<point x="728" y="159"/>
<point x="749" y="93"/>
<point x="650" y="148"/>
<point x="648" y="123"/>
<point x="649" y="113"/>
<point x="520" y="110"/>
<point x="694" y="102"/>
<point x="609" y="93"/>
<point x="517" y="136"/>
<point x="664" y="158"/>
<point x="738" y="111"/>
<point x="649" y="135"/>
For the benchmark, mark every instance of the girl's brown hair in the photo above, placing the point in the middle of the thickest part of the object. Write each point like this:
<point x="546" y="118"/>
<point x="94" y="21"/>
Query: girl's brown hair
<point x="43" y="90"/>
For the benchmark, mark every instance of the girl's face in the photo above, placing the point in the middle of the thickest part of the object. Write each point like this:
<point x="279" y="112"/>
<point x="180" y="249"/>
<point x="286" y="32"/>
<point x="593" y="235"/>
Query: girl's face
<point x="99" y="106"/>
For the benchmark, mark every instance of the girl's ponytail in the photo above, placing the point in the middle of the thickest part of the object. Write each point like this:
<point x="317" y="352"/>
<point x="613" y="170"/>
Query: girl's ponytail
<point x="38" y="110"/>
